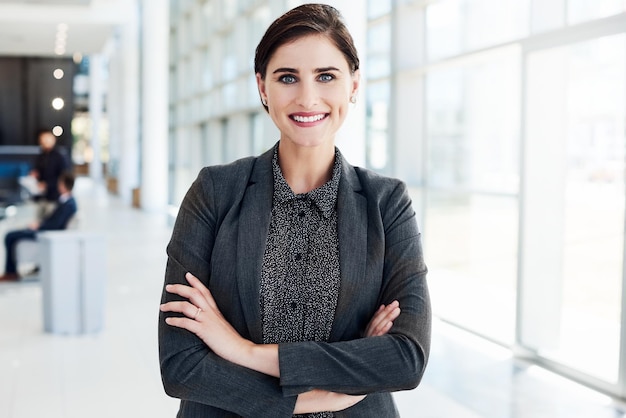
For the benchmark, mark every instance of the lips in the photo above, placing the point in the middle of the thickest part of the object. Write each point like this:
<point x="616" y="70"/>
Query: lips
<point x="308" y="118"/>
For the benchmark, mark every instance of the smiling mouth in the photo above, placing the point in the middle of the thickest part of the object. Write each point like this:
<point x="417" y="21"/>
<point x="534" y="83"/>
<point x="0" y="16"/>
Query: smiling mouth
<point x="308" y="119"/>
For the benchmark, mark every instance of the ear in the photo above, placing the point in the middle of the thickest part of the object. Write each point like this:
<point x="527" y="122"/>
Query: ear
<point x="261" y="86"/>
<point x="356" y="82"/>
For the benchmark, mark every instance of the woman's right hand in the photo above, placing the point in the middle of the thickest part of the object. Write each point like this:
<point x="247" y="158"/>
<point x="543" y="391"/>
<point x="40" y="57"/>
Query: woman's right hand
<point x="383" y="318"/>
<point x="323" y="401"/>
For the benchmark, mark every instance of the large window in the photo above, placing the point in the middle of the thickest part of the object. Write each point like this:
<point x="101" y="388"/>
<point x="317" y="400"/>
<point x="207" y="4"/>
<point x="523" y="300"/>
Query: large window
<point x="507" y="120"/>
<point x="471" y="211"/>
<point x="575" y="187"/>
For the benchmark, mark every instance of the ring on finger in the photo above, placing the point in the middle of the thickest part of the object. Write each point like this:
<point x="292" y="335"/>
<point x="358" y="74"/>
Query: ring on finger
<point x="197" y="313"/>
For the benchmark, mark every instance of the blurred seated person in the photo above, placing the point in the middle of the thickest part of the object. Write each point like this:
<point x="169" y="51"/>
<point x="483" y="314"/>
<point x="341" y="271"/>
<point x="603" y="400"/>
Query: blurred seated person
<point x="48" y="166"/>
<point x="57" y="220"/>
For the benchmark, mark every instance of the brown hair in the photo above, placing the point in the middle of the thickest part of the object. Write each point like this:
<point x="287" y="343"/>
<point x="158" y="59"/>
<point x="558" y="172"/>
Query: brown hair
<point x="308" y="19"/>
<point x="67" y="178"/>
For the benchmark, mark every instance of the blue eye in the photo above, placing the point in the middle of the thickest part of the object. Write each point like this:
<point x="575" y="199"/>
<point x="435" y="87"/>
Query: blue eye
<point x="325" y="78"/>
<point x="287" y="79"/>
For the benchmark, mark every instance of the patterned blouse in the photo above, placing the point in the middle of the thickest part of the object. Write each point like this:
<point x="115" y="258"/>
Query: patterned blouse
<point x="300" y="275"/>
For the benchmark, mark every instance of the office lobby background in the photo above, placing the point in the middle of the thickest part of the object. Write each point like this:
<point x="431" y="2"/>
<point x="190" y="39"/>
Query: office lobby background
<point x="506" y="118"/>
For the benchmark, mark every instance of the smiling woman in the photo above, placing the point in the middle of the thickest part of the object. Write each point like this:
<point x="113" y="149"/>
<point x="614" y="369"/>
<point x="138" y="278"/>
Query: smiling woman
<point x="308" y="101"/>
<point x="295" y="282"/>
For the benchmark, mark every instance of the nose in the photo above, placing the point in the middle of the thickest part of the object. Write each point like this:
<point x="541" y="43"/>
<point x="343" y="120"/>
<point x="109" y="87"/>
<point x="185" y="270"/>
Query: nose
<point x="308" y="95"/>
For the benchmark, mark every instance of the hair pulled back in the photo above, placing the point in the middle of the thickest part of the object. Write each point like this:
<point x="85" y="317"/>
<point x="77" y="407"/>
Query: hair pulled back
<point x="308" y="19"/>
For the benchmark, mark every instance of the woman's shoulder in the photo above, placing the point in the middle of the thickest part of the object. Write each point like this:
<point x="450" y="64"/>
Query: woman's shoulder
<point x="222" y="185"/>
<point x="374" y="183"/>
<point x="228" y="171"/>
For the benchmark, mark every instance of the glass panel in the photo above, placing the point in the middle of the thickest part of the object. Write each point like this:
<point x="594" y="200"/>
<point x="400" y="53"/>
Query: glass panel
<point x="577" y="98"/>
<point x="259" y="142"/>
<point x="547" y="15"/>
<point x="209" y="22"/>
<point x="378" y="8"/>
<point x="456" y="26"/>
<point x="492" y="22"/>
<point x="378" y="51"/>
<point x="473" y="123"/>
<point x="205" y="137"/>
<point x="443" y="29"/>
<point x="206" y="68"/>
<point x="229" y="58"/>
<point x="229" y="9"/>
<point x="378" y="96"/>
<point x="582" y="10"/>
<point x="471" y="207"/>
<point x="258" y="24"/>
<point x="470" y="243"/>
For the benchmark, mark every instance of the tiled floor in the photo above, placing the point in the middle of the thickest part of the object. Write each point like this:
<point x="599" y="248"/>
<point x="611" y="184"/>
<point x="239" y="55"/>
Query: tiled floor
<point x="115" y="373"/>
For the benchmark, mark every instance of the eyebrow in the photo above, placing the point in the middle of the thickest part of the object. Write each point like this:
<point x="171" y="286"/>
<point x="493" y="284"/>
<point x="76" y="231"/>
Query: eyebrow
<point x="293" y="70"/>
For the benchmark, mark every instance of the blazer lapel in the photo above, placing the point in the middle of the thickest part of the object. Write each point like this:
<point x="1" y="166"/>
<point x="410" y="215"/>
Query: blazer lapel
<point x="352" y="233"/>
<point x="254" y="220"/>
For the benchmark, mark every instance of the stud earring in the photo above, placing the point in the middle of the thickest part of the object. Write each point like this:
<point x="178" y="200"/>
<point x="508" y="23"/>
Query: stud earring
<point x="264" y="101"/>
<point x="353" y="99"/>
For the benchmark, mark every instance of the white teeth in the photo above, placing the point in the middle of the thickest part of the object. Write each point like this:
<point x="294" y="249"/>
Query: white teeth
<point x="308" y="119"/>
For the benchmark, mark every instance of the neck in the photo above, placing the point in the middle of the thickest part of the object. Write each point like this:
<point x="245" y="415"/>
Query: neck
<point x="305" y="169"/>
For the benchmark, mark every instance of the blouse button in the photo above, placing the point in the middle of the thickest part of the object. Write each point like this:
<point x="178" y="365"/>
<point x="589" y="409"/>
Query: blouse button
<point x="294" y="305"/>
<point x="301" y="214"/>
<point x="298" y="257"/>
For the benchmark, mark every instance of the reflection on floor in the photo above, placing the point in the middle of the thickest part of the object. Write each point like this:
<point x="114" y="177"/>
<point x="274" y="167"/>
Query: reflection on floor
<point x="115" y="372"/>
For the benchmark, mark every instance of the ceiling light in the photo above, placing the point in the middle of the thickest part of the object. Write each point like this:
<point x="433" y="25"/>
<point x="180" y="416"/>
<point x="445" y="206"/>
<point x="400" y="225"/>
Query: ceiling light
<point x="58" y="103"/>
<point x="58" y="73"/>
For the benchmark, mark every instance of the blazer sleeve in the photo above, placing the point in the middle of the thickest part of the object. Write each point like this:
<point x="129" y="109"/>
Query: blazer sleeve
<point x="189" y="369"/>
<point x="59" y="218"/>
<point x="395" y="361"/>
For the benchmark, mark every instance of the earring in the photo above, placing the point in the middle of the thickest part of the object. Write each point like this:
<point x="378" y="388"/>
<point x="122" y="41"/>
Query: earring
<point x="353" y="99"/>
<point x="264" y="101"/>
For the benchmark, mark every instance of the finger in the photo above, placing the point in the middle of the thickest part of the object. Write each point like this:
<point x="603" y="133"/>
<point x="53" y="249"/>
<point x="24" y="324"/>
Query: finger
<point x="373" y="322"/>
<point x="184" y="322"/>
<point x="198" y="285"/>
<point x="383" y="314"/>
<point x="195" y="282"/>
<point x="184" y="307"/>
<point x="382" y="321"/>
<point x="190" y="293"/>
<point x="393" y="314"/>
<point x="382" y="329"/>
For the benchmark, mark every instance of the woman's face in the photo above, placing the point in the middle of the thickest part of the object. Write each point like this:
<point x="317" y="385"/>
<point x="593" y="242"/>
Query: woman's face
<point x="308" y="85"/>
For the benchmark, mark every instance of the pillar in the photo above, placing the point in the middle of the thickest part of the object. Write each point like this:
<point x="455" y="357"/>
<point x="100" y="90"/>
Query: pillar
<point x="96" y="90"/>
<point x="154" y="104"/>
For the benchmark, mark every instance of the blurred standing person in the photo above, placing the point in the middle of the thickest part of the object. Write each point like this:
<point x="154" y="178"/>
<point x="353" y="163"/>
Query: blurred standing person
<point x="49" y="165"/>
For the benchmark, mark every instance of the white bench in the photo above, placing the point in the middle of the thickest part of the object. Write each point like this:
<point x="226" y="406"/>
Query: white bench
<point x="27" y="251"/>
<point x="73" y="278"/>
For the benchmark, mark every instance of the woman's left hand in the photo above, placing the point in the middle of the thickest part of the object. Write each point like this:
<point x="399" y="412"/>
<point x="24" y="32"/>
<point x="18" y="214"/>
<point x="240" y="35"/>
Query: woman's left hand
<point x="203" y="317"/>
<point x="383" y="318"/>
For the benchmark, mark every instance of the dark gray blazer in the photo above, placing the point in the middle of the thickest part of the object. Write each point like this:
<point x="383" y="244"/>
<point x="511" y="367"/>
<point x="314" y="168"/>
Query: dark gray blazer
<point x="220" y="236"/>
